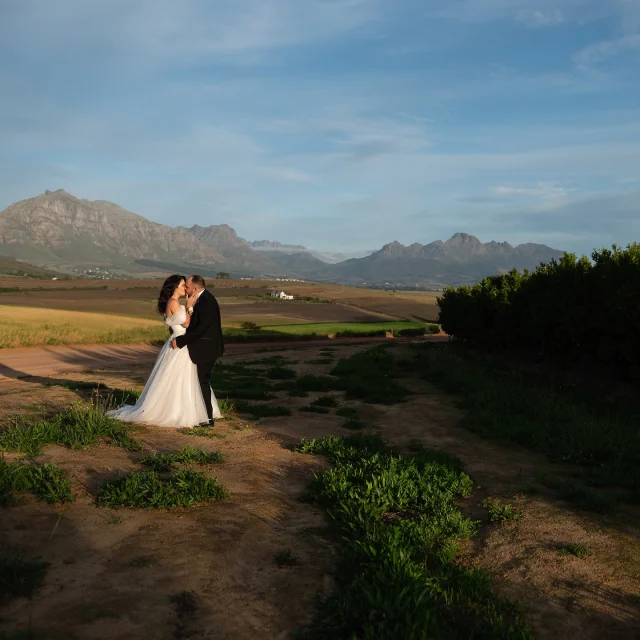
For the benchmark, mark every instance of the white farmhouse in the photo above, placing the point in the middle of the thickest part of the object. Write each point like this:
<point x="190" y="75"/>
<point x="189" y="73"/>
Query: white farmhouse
<point x="280" y="294"/>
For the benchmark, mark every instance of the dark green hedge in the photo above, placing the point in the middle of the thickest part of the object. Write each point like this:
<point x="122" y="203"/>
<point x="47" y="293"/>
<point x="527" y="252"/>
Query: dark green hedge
<point x="578" y="309"/>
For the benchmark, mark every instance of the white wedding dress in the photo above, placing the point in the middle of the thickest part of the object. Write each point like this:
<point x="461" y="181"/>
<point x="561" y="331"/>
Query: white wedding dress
<point x="172" y="395"/>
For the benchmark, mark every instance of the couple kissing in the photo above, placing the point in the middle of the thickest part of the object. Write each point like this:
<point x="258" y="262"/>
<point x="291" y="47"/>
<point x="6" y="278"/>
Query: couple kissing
<point x="178" y="392"/>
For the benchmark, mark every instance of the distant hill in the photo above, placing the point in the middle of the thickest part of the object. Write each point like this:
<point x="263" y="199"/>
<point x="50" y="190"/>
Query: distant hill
<point x="58" y="231"/>
<point x="461" y="259"/>
<point x="18" y="268"/>
<point x="329" y="257"/>
<point x="56" y="228"/>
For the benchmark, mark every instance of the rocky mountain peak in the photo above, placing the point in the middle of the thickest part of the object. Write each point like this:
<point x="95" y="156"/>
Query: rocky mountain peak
<point x="459" y="240"/>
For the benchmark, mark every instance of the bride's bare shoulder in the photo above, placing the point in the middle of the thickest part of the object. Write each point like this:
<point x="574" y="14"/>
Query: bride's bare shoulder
<point x="172" y="306"/>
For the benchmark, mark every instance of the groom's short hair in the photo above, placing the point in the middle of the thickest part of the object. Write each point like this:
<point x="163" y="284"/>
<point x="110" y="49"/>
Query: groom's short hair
<point x="198" y="281"/>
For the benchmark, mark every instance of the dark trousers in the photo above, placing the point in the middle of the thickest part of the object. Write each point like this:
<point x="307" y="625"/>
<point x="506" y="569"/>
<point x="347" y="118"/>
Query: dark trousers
<point x="204" y="378"/>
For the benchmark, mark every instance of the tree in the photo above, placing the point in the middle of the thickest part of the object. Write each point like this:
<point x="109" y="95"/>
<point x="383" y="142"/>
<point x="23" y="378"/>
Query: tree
<point x="223" y="275"/>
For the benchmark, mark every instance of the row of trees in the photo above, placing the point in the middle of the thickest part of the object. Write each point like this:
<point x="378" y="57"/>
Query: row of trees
<point x="575" y="308"/>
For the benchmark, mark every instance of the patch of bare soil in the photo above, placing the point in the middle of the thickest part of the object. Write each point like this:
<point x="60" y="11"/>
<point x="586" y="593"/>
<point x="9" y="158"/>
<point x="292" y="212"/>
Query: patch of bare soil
<point x="120" y="573"/>
<point x="208" y="572"/>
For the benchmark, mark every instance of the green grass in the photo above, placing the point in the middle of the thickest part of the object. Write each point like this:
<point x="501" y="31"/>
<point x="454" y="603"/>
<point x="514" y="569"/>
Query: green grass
<point x="227" y="406"/>
<point x="577" y="550"/>
<point x="320" y="405"/>
<point x="353" y="420"/>
<point x="285" y="558"/>
<point x="186" y="456"/>
<point x="78" y="427"/>
<point x="47" y="482"/>
<point x="271" y="361"/>
<point x="149" y="490"/>
<point x="370" y="376"/>
<point x="398" y="574"/>
<point x="119" y="397"/>
<point x="528" y="489"/>
<point x="257" y="411"/>
<point x="239" y="382"/>
<point x="349" y="328"/>
<point x="116" y="520"/>
<point x="20" y="577"/>
<point x="202" y="432"/>
<point x="599" y="439"/>
<point x="582" y="496"/>
<point x="497" y="511"/>
<point x="281" y="373"/>
<point x="304" y="384"/>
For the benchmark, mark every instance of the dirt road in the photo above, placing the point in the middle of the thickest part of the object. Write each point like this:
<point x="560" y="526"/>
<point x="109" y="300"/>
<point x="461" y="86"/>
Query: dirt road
<point x="41" y="361"/>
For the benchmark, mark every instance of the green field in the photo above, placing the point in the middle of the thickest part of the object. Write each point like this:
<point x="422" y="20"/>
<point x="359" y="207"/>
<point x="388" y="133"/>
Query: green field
<point x="348" y="328"/>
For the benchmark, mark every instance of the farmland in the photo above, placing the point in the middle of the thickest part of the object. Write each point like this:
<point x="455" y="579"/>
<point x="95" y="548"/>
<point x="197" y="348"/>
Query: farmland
<point x="136" y="298"/>
<point x="107" y="306"/>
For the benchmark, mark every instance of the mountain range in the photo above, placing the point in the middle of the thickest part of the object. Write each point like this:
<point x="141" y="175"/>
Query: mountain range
<point x="326" y="256"/>
<point x="56" y="230"/>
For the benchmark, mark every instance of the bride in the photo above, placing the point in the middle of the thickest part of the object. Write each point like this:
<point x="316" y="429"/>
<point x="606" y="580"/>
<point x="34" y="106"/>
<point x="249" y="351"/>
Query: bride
<point x="172" y="396"/>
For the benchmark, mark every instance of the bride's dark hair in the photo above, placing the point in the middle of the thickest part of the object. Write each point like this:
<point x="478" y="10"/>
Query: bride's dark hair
<point x="168" y="289"/>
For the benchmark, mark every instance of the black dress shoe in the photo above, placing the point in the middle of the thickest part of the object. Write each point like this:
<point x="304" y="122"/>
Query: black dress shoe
<point x="208" y="423"/>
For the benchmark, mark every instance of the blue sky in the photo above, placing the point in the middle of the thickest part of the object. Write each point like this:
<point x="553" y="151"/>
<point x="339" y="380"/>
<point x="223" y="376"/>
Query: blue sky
<point x="338" y="124"/>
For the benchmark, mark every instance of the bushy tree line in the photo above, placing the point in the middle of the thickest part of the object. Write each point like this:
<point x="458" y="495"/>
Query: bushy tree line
<point x="576" y="308"/>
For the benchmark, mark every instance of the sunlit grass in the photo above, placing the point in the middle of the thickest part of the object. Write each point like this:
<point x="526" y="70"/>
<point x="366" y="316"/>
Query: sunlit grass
<point x="34" y="327"/>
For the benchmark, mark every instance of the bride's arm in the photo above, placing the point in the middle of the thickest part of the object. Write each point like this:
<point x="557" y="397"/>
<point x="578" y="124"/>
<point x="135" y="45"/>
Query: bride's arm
<point x="187" y="322"/>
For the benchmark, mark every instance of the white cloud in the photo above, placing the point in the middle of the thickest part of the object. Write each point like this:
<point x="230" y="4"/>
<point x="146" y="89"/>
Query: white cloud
<point x="545" y="190"/>
<point x="537" y="18"/>
<point x="287" y="174"/>
<point x="187" y="31"/>
<point x="601" y="51"/>
<point x="357" y="139"/>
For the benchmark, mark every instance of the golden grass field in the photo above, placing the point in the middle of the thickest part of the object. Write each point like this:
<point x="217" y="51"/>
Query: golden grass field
<point x="33" y="327"/>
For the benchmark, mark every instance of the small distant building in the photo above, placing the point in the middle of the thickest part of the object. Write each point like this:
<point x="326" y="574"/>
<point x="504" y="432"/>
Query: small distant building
<point x="281" y="294"/>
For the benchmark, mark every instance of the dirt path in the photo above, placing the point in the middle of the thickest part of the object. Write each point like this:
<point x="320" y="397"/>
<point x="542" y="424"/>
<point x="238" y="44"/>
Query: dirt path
<point x="42" y="361"/>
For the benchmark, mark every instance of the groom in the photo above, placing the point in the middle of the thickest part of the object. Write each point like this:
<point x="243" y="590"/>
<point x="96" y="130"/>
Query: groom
<point x="203" y="337"/>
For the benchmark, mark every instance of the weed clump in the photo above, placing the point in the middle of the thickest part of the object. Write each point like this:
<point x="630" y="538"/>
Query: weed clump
<point x="150" y="490"/>
<point x="46" y="481"/>
<point x="78" y="427"/>
<point x="398" y="575"/>
<point x="186" y="456"/>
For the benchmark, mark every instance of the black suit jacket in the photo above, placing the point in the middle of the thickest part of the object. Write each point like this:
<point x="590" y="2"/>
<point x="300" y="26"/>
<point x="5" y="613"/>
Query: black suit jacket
<point x="204" y="334"/>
